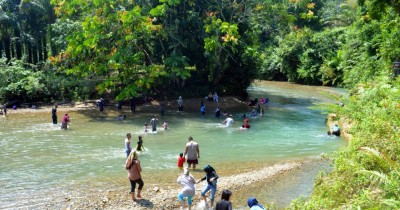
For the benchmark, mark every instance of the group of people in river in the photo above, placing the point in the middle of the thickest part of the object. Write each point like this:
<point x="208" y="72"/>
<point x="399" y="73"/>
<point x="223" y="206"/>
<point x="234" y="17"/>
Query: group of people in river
<point x="185" y="179"/>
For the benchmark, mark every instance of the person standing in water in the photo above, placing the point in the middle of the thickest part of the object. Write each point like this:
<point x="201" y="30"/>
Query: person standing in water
<point x="65" y="121"/>
<point x="192" y="151"/>
<point x="229" y="121"/>
<point x="139" y="146"/>
<point x="153" y="123"/>
<point x="5" y="110"/>
<point x="101" y="105"/>
<point x="134" y="169"/>
<point x="202" y="108"/>
<point x="180" y="103"/>
<point x="54" y="114"/>
<point x="128" y="147"/>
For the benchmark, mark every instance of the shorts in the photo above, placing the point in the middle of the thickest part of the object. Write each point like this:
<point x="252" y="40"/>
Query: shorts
<point x="193" y="161"/>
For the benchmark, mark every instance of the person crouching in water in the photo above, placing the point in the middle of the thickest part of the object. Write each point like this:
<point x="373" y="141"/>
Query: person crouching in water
<point x="188" y="189"/>
<point x="211" y="177"/>
<point x="134" y="169"/>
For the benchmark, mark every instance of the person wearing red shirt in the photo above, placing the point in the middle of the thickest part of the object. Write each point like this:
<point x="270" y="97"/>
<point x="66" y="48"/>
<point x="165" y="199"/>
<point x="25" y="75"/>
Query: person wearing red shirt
<point x="181" y="160"/>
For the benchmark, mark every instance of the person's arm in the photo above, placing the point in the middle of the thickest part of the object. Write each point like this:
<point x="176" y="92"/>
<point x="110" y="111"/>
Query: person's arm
<point x="138" y="166"/>
<point x="230" y="206"/>
<point x="202" y="179"/>
<point x="198" y="151"/>
<point x="127" y="163"/>
<point x="186" y="150"/>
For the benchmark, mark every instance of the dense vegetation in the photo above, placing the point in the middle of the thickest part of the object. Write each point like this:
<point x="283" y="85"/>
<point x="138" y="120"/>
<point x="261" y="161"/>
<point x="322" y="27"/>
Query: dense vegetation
<point x="73" y="50"/>
<point x="163" y="48"/>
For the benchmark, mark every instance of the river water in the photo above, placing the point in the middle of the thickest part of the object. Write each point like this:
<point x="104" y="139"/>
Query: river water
<point x="39" y="162"/>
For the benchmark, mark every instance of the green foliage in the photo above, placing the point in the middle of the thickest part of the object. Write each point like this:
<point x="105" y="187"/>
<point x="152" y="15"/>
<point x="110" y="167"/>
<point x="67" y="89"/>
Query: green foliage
<point x="366" y="173"/>
<point x="18" y="83"/>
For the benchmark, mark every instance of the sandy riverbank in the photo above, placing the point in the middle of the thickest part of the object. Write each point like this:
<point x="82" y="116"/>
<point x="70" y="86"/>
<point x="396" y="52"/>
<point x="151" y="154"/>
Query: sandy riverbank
<point x="165" y="197"/>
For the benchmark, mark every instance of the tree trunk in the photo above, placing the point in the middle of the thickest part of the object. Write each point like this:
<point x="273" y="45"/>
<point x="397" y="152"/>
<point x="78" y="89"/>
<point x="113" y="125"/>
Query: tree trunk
<point x="6" y="44"/>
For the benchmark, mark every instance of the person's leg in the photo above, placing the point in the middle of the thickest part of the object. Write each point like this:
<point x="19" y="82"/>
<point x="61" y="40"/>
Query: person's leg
<point x="133" y="186"/>
<point x="141" y="184"/>
<point x="189" y="200"/>
<point x="180" y="198"/>
<point x="203" y="193"/>
<point x="212" y="194"/>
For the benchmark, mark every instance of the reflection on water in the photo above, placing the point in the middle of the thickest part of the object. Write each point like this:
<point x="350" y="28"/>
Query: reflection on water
<point x="39" y="158"/>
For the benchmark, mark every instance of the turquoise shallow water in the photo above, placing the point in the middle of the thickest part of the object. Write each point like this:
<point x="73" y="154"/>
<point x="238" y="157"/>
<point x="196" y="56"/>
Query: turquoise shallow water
<point x="38" y="159"/>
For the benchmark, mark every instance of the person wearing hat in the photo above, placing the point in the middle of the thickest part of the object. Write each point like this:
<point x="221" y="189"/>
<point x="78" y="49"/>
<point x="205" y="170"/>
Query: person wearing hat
<point x="254" y="205"/>
<point x="188" y="189"/>
<point x="211" y="177"/>
<point x="229" y="121"/>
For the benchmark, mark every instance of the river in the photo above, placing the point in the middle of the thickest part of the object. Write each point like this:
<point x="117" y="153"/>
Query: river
<point x="39" y="162"/>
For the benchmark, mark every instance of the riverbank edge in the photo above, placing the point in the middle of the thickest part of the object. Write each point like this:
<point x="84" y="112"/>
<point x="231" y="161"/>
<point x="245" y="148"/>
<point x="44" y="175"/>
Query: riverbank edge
<point x="160" y="197"/>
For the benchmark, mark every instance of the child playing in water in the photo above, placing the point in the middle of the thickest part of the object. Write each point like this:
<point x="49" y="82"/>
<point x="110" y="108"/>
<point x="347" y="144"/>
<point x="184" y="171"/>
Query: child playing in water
<point x="165" y="125"/>
<point x="146" y="128"/>
<point x="181" y="161"/>
<point x="139" y="146"/>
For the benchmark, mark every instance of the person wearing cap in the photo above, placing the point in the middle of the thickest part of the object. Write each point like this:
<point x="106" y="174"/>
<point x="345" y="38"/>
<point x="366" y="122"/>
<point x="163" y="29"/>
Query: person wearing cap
<point x="254" y="205"/>
<point x="188" y="189"/>
<point x="192" y="151"/>
<point x="134" y="169"/>
<point x="211" y="177"/>
<point x="229" y="121"/>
